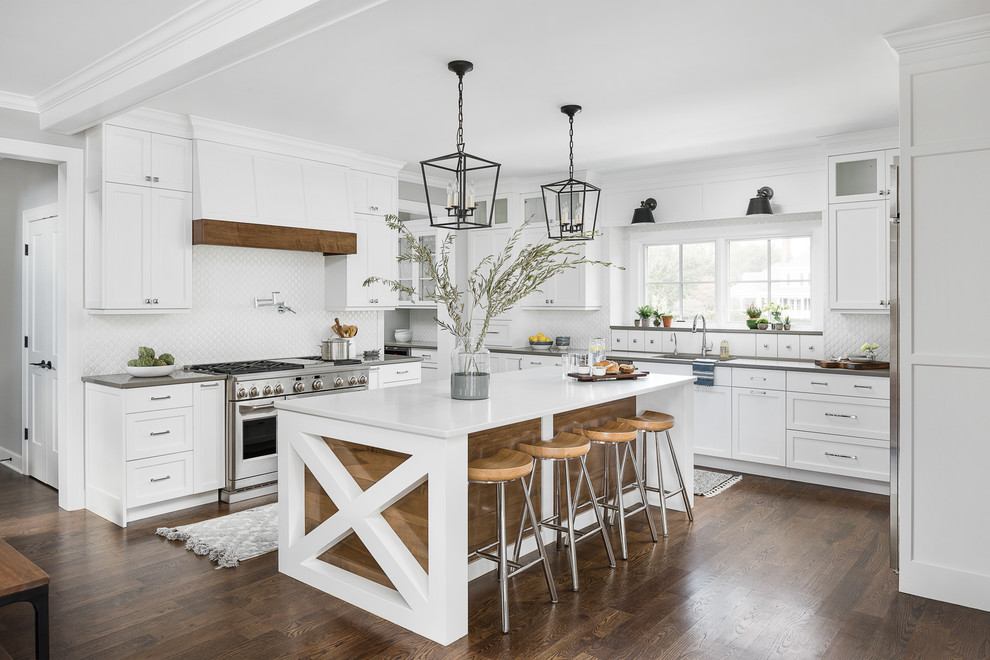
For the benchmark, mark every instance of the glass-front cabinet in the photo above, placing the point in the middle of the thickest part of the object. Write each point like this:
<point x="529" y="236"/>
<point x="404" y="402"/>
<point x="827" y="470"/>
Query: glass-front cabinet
<point x="860" y="177"/>
<point x="412" y="275"/>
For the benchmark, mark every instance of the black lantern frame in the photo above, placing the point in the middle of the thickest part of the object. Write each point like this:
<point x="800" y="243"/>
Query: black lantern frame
<point x="454" y="168"/>
<point x="573" y="200"/>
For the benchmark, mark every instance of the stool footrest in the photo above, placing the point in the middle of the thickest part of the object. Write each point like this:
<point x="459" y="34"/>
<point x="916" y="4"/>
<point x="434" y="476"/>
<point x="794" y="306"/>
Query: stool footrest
<point x="578" y="536"/>
<point x="667" y="494"/>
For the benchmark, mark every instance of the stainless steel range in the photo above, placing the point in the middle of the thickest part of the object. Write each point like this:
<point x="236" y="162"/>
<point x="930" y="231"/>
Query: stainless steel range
<point x="253" y="387"/>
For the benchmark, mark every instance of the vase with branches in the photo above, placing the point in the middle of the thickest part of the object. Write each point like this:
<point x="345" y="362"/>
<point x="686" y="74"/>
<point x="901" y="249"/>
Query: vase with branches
<point x="494" y="285"/>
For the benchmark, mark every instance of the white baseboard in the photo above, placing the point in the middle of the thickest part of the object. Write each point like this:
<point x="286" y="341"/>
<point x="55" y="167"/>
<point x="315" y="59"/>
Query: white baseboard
<point x="16" y="463"/>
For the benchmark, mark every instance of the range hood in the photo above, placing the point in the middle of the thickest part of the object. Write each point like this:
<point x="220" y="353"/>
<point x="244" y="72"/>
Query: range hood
<point x="247" y="234"/>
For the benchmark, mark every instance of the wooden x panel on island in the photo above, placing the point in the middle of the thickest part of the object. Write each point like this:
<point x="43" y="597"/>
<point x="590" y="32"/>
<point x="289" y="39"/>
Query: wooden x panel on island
<point x="374" y="504"/>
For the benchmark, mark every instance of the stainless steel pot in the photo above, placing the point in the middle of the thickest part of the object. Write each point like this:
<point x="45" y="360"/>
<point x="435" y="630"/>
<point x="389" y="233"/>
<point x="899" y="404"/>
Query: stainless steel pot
<point x="336" y="348"/>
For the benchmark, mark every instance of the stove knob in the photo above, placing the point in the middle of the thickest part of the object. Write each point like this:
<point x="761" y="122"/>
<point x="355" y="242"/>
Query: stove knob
<point x="317" y="385"/>
<point x="241" y="393"/>
<point x="362" y="380"/>
<point x="279" y="389"/>
<point x="298" y="387"/>
<point x="338" y="382"/>
<point x="352" y="381"/>
<point x="267" y="391"/>
<point x="253" y="392"/>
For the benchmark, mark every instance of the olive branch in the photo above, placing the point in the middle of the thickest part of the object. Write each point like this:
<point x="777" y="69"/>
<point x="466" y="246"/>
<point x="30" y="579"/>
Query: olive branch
<point x="494" y="285"/>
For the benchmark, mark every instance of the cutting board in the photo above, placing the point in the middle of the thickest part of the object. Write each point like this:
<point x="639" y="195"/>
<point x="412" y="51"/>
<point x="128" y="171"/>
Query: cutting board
<point x="851" y="364"/>
<point x="620" y="376"/>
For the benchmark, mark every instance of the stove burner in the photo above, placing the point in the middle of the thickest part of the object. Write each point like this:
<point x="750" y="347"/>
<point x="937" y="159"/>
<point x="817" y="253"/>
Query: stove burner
<point x="246" y="367"/>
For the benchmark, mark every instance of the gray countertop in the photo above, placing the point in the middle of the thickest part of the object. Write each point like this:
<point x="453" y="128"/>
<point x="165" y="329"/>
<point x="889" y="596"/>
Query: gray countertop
<point x="412" y="344"/>
<point x="751" y="363"/>
<point x="127" y="381"/>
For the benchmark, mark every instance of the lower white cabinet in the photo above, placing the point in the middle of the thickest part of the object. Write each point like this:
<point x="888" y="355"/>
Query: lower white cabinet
<point x="851" y="457"/>
<point x="152" y="450"/>
<point x="394" y="375"/>
<point x="713" y="420"/>
<point x="758" y="425"/>
<point x="429" y="368"/>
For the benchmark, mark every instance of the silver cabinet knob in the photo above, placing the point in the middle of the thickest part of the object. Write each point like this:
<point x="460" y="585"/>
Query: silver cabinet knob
<point x="298" y="387"/>
<point x="155" y="179"/>
<point x="147" y="177"/>
<point x="154" y="301"/>
<point x="317" y="385"/>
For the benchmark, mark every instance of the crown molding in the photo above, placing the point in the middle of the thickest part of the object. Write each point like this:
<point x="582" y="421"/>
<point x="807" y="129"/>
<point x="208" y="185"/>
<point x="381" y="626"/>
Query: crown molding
<point x="850" y="143"/>
<point x="155" y="121"/>
<point x="964" y="33"/>
<point x="21" y="102"/>
<point x="208" y="37"/>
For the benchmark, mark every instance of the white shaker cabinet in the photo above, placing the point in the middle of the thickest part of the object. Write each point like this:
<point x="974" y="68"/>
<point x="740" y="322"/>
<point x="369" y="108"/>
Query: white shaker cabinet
<point x="209" y="435"/>
<point x="372" y="194"/>
<point x="759" y="425"/>
<point x="860" y="177"/>
<point x="345" y="275"/>
<point x="141" y="158"/>
<point x="713" y="420"/>
<point x="572" y="289"/>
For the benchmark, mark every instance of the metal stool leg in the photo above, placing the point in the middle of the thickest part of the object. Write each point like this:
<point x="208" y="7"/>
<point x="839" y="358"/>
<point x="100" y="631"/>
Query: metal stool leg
<point x="642" y="490"/>
<point x="572" y="543"/>
<point x="619" y="505"/>
<point x="503" y="568"/>
<point x="528" y="489"/>
<point x="598" y="512"/>
<point x="557" y="511"/>
<point x="680" y="479"/>
<point x="539" y="544"/>
<point x="660" y="488"/>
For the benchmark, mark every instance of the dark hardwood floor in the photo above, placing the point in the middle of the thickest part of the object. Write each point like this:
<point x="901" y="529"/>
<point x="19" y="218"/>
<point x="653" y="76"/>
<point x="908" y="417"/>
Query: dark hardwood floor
<point x="771" y="569"/>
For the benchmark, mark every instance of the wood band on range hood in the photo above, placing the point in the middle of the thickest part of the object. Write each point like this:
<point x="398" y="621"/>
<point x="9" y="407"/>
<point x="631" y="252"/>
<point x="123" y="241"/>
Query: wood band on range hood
<point x="246" y="234"/>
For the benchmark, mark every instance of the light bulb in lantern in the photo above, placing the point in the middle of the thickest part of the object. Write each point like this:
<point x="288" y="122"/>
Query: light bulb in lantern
<point x="471" y="191"/>
<point x="450" y="194"/>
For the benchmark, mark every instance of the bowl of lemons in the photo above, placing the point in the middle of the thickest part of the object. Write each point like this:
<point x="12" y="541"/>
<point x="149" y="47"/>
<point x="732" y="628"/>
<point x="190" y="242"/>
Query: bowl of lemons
<point x="540" y="342"/>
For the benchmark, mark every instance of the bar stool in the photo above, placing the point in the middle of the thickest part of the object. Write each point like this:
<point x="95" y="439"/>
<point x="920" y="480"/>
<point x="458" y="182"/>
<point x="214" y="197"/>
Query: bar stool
<point x="622" y="438"/>
<point x="505" y="466"/>
<point x="563" y="448"/>
<point x="656" y="422"/>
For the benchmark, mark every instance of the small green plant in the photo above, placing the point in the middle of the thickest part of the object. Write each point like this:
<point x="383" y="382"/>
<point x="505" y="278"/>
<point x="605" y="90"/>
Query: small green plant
<point x="775" y="310"/>
<point x="870" y="349"/>
<point x="645" y="312"/>
<point x="753" y="311"/>
<point x="762" y="320"/>
<point x="787" y="320"/>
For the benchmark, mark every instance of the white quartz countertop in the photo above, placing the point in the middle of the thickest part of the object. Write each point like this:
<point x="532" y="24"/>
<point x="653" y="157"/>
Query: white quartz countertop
<point x="516" y="396"/>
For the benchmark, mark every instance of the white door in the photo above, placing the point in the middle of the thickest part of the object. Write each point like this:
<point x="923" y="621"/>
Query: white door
<point x="758" y="425"/>
<point x="41" y="370"/>
<point x="170" y="256"/>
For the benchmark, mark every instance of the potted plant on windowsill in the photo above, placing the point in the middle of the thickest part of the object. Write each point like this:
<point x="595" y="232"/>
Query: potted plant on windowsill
<point x="644" y="313"/>
<point x="787" y="323"/>
<point x="753" y="312"/>
<point x="776" y="310"/>
<point x="667" y="319"/>
<point x="762" y="323"/>
<point x="495" y="284"/>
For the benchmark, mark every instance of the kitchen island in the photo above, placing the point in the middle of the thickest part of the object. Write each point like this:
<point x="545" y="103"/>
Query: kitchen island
<point x="374" y="503"/>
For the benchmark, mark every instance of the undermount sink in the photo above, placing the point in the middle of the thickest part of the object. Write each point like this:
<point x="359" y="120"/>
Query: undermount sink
<point x="694" y="356"/>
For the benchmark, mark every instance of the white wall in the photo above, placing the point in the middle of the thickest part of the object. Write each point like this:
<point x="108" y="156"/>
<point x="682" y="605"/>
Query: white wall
<point x="23" y="185"/>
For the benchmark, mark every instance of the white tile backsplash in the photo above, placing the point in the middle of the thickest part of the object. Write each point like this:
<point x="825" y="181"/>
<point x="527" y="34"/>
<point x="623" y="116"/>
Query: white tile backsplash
<point x="845" y="333"/>
<point x="224" y="324"/>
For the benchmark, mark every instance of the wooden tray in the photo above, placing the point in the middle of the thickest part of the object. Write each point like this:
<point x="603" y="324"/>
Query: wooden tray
<point x="584" y="378"/>
<point x="851" y="364"/>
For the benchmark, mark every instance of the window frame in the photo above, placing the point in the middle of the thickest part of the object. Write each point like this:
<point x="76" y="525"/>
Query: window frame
<point x="680" y="271"/>
<point x="722" y="235"/>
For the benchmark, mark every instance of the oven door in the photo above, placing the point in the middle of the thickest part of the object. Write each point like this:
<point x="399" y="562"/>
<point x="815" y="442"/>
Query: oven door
<point x="252" y="458"/>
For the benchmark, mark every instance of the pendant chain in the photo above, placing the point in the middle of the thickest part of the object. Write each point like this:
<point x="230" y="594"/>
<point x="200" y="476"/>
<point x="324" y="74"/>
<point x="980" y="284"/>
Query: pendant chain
<point x="572" y="146"/>
<point x="460" y="113"/>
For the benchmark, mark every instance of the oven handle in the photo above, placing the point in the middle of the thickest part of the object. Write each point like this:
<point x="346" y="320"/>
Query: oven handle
<point x="246" y="410"/>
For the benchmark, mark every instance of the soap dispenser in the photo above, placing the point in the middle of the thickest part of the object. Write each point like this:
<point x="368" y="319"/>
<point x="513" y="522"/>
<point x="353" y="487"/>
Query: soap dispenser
<point x="723" y="349"/>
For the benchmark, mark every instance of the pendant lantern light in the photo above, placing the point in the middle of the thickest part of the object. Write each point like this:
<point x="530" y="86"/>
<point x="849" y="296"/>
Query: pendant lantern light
<point x="465" y="177"/>
<point x="571" y="206"/>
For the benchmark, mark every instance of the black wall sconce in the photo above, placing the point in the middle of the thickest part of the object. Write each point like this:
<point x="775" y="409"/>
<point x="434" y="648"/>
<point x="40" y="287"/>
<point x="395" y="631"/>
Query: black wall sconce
<point x="760" y="205"/>
<point x="645" y="211"/>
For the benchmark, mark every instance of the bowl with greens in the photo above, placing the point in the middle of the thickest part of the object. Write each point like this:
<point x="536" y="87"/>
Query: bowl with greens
<point x="146" y="364"/>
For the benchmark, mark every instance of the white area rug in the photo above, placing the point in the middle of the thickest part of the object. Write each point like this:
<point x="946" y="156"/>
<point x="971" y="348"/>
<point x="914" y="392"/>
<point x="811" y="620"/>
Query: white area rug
<point x="230" y="539"/>
<point x="708" y="483"/>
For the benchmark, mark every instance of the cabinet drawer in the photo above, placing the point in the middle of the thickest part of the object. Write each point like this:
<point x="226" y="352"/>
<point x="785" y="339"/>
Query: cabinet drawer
<point x="636" y="340"/>
<point x="158" y="479"/>
<point x="812" y="347"/>
<point x="429" y="357"/>
<point x="818" y="382"/>
<point x="400" y="374"/>
<point x="653" y="341"/>
<point x="766" y="346"/>
<point x="620" y="340"/>
<point x="839" y="415"/>
<point x="160" y="397"/>
<point x="158" y="433"/>
<point x="498" y="334"/>
<point x="764" y="379"/>
<point x="788" y="346"/>
<point x="825" y="453"/>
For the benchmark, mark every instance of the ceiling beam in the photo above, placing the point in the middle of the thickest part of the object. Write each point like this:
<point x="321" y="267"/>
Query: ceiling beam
<point x="206" y="38"/>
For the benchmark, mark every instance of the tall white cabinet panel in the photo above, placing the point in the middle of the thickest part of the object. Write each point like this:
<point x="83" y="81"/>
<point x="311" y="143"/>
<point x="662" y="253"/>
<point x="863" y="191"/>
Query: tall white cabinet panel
<point x="345" y="275"/>
<point x="858" y="256"/>
<point x="758" y="425"/>
<point x="170" y="250"/>
<point x="713" y="420"/>
<point x="126" y="235"/>
<point x="209" y="433"/>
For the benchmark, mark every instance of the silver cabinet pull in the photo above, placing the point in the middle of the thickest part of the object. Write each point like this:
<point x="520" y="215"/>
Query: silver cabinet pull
<point x="841" y="415"/>
<point x="825" y="384"/>
<point x="536" y="363"/>
<point x="853" y="458"/>
<point x="551" y="301"/>
<point x="154" y="479"/>
<point x="493" y="332"/>
<point x="154" y="301"/>
<point x="766" y="345"/>
<point x="863" y="387"/>
<point x="756" y="378"/>
<point x="811" y="348"/>
<point x="788" y="347"/>
<point x="763" y="392"/>
<point x="155" y="179"/>
<point x="402" y="372"/>
<point x="147" y="177"/>
<point x="635" y="340"/>
<point x="209" y="384"/>
<point x="159" y="433"/>
<point x="161" y="398"/>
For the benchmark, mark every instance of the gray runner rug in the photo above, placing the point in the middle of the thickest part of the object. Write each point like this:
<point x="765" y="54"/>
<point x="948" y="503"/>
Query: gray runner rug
<point x="232" y="538"/>
<point x="707" y="483"/>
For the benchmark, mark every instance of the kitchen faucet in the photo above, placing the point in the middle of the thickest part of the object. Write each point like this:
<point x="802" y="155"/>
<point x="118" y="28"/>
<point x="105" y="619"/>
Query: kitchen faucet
<point x="704" y="333"/>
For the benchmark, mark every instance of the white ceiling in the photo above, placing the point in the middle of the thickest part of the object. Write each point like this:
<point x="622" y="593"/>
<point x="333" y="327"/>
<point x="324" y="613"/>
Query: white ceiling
<point x="660" y="80"/>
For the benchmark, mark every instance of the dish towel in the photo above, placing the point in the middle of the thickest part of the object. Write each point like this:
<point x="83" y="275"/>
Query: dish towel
<point x="704" y="372"/>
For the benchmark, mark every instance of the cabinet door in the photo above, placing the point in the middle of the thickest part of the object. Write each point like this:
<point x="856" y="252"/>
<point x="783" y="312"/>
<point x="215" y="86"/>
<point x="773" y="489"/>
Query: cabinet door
<point x="384" y="195"/>
<point x="513" y="363"/>
<point x="128" y="156"/>
<point x="126" y="236"/>
<point x="208" y="436"/>
<point x="858" y="256"/>
<point x="381" y="261"/>
<point x="171" y="163"/>
<point x="766" y="346"/>
<point x="859" y="177"/>
<point x="170" y="254"/>
<point x="758" y="425"/>
<point x="620" y="340"/>
<point x="713" y="420"/>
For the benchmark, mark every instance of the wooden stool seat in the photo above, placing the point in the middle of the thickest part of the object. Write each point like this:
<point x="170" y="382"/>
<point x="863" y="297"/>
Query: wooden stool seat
<point x="650" y="421"/>
<point x="611" y="431"/>
<point x="563" y="445"/>
<point x="21" y="580"/>
<point x="505" y="465"/>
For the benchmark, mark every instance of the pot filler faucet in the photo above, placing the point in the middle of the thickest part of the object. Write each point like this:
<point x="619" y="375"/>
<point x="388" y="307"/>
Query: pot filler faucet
<point x="705" y="347"/>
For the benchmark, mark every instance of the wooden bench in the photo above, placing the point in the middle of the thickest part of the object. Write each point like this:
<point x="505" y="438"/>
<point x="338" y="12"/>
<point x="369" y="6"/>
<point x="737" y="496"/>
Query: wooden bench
<point x="21" y="580"/>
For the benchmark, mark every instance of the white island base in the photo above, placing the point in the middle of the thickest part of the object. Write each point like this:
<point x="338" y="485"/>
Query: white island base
<point x="374" y="503"/>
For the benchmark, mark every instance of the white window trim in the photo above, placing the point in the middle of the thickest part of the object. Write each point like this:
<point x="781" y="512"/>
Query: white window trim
<point x="722" y="236"/>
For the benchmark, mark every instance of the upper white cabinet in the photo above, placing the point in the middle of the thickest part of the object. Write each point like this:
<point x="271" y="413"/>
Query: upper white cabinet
<point x="345" y="275"/>
<point x="573" y="289"/>
<point x="244" y="185"/>
<point x="373" y="194"/>
<point x="412" y="274"/>
<point x="141" y="158"/>
<point x="138" y="226"/>
<point x="860" y="177"/>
